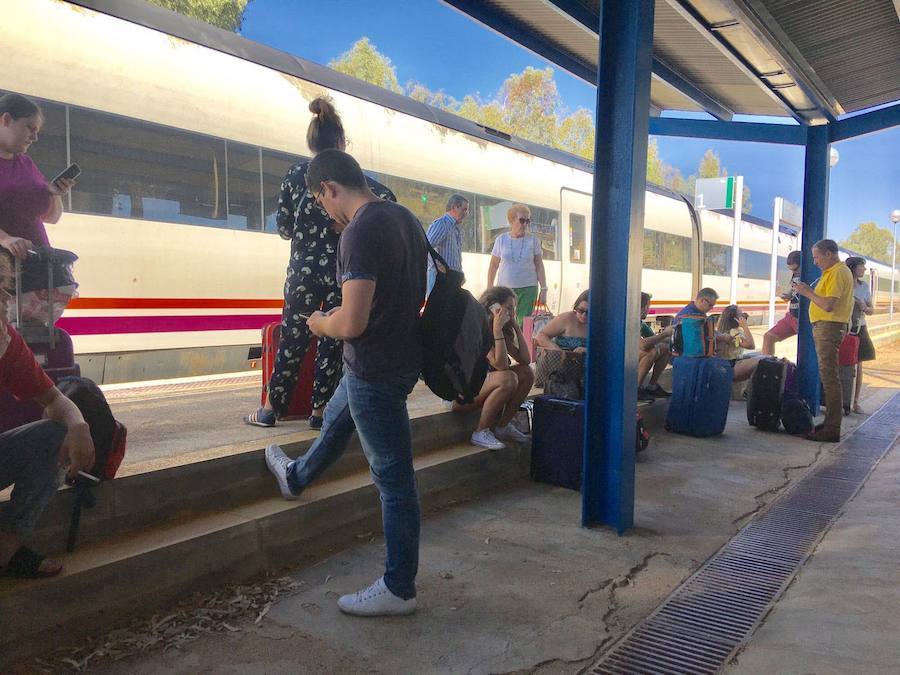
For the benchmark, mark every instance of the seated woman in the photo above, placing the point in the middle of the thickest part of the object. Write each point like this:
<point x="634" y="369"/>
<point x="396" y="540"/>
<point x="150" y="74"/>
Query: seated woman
<point x="507" y="385"/>
<point x="733" y="323"/>
<point x="568" y="331"/>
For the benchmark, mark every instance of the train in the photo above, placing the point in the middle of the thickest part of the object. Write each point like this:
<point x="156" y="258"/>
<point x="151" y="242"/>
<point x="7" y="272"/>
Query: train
<point x="184" y="133"/>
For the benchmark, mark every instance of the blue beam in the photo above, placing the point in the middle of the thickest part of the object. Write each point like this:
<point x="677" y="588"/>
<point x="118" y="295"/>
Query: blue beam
<point x="867" y="123"/>
<point x="783" y="134"/>
<point x="623" y="105"/>
<point x="815" y="213"/>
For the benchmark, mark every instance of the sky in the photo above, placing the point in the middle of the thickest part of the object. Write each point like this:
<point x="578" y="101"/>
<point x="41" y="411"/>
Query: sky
<point x="432" y="43"/>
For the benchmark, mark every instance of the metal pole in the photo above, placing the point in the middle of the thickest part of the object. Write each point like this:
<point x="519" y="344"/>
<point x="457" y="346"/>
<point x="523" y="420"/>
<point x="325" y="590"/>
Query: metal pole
<point x="620" y="169"/>
<point x="815" y="213"/>
<point x="893" y="270"/>
<point x="773" y="273"/>
<point x="736" y="237"/>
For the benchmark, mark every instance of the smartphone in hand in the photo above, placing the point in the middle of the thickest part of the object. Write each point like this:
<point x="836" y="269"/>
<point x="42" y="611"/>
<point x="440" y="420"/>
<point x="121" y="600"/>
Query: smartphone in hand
<point x="71" y="172"/>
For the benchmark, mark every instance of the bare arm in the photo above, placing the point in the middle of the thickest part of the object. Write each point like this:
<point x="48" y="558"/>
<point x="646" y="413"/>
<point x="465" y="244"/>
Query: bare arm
<point x="493" y="266"/>
<point x="57" y="191"/>
<point x="15" y="245"/>
<point x="351" y="318"/>
<point x="78" y="444"/>
<point x="518" y="348"/>
<point x="555" y="328"/>
<point x="747" y="341"/>
<point x="498" y="357"/>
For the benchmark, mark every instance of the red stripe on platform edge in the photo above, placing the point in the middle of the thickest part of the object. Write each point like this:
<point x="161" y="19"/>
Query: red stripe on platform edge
<point x="118" y="325"/>
<point x="174" y="303"/>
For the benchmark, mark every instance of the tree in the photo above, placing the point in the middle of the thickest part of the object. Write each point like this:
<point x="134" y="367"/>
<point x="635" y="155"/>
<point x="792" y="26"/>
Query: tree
<point x="656" y="170"/>
<point x="711" y="167"/>
<point x="364" y="62"/>
<point x="870" y="240"/>
<point x="227" y="14"/>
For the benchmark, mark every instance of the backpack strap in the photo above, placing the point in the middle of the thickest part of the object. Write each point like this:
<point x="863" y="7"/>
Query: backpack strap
<point x="436" y="257"/>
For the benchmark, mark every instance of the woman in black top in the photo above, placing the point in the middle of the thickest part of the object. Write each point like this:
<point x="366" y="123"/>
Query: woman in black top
<point x="311" y="284"/>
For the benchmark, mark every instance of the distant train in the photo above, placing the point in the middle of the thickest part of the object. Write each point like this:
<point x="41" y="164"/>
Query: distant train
<point x="183" y="146"/>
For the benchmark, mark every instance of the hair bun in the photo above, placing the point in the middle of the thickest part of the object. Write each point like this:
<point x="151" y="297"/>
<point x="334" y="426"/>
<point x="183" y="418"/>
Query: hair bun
<point x="321" y="106"/>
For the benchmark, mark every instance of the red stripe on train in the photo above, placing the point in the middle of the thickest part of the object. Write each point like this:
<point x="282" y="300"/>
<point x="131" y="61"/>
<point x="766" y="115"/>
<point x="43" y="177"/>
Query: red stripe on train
<point x="117" y="325"/>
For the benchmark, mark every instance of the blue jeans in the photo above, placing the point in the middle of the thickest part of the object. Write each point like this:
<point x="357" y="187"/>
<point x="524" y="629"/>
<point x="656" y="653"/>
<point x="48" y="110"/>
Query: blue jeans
<point x="29" y="456"/>
<point x="377" y="410"/>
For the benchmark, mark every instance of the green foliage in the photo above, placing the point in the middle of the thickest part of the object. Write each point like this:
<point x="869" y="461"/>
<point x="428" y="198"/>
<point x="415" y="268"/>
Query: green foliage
<point x="363" y="61"/>
<point x="227" y="14"/>
<point x="870" y="240"/>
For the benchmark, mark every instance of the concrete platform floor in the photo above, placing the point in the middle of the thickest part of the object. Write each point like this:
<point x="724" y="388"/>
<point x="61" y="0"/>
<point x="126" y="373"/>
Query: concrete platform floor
<point x="512" y="583"/>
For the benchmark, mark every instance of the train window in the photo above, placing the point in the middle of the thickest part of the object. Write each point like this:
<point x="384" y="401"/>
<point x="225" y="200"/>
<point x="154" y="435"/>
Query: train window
<point x="716" y="259"/>
<point x="244" y="208"/>
<point x="755" y="265"/>
<point x="666" y="252"/>
<point x="884" y="282"/>
<point x="274" y="167"/>
<point x="137" y="170"/>
<point x="577" y="252"/>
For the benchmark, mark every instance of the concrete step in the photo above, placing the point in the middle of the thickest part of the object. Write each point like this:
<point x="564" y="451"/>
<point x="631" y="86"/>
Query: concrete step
<point x="228" y="478"/>
<point x="108" y="582"/>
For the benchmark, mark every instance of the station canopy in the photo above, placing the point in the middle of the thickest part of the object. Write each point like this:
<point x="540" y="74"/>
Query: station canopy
<point x="812" y="60"/>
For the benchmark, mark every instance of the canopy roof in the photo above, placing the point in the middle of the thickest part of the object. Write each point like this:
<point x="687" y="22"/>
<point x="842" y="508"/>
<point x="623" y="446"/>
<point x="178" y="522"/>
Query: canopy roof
<point x="813" y="60"/>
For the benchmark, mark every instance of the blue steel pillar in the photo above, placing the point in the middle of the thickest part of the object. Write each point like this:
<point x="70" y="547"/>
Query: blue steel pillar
<point x="620" y="169"/>
<point x="815" y="214"/>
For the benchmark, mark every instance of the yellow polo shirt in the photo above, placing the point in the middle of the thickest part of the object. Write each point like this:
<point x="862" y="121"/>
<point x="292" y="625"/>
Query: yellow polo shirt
<point x="836" y="282"/>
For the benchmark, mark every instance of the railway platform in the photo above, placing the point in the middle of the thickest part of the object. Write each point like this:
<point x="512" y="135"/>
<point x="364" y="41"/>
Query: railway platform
<point x="509" y="581"/>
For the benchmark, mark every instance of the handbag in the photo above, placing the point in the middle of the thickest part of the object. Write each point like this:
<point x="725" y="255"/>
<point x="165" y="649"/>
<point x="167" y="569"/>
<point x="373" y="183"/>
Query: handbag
<point x="533" y="324"/>
<point x="560" y="373"/>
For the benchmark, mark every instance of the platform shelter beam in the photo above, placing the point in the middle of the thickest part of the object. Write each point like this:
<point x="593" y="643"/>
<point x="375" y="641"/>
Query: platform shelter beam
<point x="866" y="123"/>
<point x="753" y="132"/>
<point x="623" y="105"/>
<point x="815" y="214"/>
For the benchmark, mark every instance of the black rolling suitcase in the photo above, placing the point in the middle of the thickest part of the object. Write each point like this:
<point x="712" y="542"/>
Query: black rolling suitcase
<point x="557" y="441"/>
<point x="765" y="393"/>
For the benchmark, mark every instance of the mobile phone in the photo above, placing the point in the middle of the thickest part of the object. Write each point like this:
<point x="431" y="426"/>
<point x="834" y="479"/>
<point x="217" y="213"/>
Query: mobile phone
<point x="304" y="316"/>
<point x="71" y="172"/>
<point x="91" y="478"/>
<point x="495" y="307"/>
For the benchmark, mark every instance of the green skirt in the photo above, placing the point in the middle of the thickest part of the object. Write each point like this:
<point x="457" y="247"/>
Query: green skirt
<point x="525" y="299"/>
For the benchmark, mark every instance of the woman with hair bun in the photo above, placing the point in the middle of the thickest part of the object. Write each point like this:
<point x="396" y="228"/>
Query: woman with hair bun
<point x="311" y="284"/>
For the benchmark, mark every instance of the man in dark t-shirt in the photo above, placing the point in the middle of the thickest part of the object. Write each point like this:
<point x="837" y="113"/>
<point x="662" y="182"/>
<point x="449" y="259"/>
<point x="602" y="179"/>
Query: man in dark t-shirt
<point x="382" y="270"/>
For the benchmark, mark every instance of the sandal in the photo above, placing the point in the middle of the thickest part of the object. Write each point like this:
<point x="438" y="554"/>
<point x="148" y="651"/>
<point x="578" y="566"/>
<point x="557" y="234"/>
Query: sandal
<point x="27" y="564"/>
<point x="261" y="418"/>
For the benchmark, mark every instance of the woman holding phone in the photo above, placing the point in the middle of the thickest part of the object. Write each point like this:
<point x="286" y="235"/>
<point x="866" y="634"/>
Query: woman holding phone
<point x="733" y="323"/>
<point x="27" y="200"/>
<point x="507" y="384"/>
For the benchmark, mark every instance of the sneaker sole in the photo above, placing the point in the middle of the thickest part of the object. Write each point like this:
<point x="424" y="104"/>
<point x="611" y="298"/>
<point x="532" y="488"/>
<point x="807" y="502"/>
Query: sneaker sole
<point x="349" y="611"/>
<point x="282" y="487"/>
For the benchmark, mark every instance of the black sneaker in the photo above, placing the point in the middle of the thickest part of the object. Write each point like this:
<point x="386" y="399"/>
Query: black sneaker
<point x="645" y="394"/>
<point x="659" y="392"/>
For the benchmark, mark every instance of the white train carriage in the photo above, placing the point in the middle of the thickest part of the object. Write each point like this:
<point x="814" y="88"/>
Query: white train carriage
<point x="183" y="146"/>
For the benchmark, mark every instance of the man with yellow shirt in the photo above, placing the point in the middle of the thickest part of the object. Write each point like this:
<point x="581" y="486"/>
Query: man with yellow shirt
<point x="830" y="307"/>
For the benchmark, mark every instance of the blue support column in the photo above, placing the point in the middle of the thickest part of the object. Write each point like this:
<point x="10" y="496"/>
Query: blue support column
<point x="815" y="214"/>
<point x="620" y="166"/>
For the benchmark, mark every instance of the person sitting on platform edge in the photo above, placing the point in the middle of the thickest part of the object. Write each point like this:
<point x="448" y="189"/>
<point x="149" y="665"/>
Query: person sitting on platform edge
<point x="655" y="354"/>
<point x="445" y="236"/>
<point x="507" y="385"/>
<point x="733" y="323"/>
<point x="31" y="455"/>
<point x="787" y="326"/>
<point x="568" y="331"/>
<point x="830" y="308"/>
<point x="382" y="271"/>
<point x="561" y="349"/>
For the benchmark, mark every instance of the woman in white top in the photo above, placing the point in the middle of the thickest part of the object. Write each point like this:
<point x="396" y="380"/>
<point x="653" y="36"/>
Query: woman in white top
<point x="517" y="256"/>
<point x="863" y="307"/>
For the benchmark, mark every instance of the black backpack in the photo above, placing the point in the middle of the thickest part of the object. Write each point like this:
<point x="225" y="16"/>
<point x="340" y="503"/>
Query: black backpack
<point x="796" y="416"/>
<point x="456" y="336"/>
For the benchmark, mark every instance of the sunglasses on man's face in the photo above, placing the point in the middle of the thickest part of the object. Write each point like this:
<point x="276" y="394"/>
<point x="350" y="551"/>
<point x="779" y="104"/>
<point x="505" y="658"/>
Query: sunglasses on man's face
<point x="525" y="221"/>
<point x="581" y="311"/>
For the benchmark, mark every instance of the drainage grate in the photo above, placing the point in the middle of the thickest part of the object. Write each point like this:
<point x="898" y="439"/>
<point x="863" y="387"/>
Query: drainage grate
<point x="714" y="612"/>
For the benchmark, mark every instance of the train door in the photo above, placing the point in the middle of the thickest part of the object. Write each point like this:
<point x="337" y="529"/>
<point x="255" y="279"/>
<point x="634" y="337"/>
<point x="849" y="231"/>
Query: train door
<point x="575" y="230"/>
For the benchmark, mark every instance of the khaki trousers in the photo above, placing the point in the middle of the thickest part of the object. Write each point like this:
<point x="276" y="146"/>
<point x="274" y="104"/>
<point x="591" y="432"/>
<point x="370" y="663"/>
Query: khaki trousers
<point x="827" y="336"/>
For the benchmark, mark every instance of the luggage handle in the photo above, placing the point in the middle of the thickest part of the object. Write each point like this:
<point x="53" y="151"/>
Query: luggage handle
<point x="562" y="405"/>
<point x="51" y="335"/>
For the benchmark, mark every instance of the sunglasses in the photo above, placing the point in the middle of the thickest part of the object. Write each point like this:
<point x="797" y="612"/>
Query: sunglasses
<point x="581" y="311"/>
<point x="525" y="221"/>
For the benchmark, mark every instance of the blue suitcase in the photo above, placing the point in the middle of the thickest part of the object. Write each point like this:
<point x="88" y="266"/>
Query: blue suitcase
<point x="557" y="441"/>
<point x="701" y="391"/>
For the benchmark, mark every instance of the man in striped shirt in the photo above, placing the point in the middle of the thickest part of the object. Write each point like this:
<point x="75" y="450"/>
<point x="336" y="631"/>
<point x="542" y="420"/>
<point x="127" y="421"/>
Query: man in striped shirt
<point x="445" y="235"/>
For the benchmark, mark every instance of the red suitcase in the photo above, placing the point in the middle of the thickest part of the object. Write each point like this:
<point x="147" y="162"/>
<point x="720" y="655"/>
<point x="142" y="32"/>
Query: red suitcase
<point x="849" y="351"/>
<point x="301" y="405"/>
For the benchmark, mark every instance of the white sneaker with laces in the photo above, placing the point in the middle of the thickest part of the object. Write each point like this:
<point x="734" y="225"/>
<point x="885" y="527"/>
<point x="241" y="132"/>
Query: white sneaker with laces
<point x="486" y="439"/>
<point x="278" y="463"/>
<point x="376" y="600"/>
<point x="510" y="433"/>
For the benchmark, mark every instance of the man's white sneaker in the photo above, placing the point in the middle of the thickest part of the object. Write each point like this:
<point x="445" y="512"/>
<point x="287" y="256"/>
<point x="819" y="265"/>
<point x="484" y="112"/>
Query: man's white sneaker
<point x="278" y="463"/>
<point x="510" y="433"/>
<point x="486" y="439"/>
<point x="376" y="600"/>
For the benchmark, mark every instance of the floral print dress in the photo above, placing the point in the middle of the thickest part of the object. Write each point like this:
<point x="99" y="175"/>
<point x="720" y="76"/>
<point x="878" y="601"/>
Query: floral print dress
<point x="310" y="286"/>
